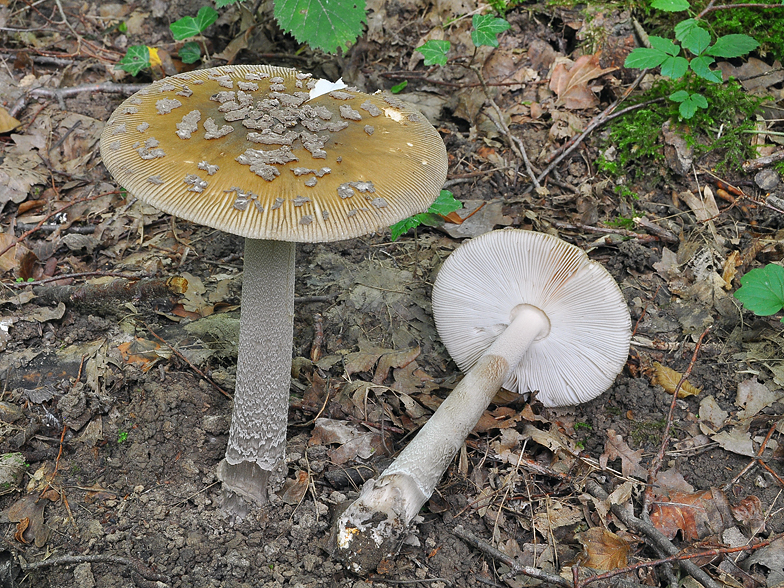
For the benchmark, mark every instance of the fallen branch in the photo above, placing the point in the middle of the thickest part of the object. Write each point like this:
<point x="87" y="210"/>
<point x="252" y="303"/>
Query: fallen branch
<point x="60" y="94"/>
<point x="135" y="565"/>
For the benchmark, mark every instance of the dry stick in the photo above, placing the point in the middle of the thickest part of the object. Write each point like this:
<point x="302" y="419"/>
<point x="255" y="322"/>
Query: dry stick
<point x="496" y="554"/>
<point x="660" y="542"/>
<point x="135" y="565"/>
<point x="760" y="162"/>
<point x="602" y="230"/>
<point x="757" y="460"/>
<point x="711" y="8"/>
<point x="59" y="277"/>
<point x="185" y="359"/>
<point x="60" y="93"/>
<point x="515" y="143"/>
<point x="50" y="215"/>
<point x="659" y="458"/>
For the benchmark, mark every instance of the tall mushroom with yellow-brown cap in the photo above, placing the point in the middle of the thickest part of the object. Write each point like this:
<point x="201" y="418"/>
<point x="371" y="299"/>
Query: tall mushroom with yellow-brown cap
<point x="518" y="309"/>
<point x="246" y="149"/>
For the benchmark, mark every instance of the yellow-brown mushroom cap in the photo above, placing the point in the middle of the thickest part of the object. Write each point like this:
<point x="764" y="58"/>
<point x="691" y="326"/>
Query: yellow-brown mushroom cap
<point x="244" y="149"/>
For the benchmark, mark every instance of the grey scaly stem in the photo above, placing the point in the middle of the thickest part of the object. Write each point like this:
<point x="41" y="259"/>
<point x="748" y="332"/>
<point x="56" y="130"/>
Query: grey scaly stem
<point x="257" y="439"/>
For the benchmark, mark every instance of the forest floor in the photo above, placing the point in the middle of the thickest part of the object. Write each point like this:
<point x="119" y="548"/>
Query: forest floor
<point x="120" y="435"/>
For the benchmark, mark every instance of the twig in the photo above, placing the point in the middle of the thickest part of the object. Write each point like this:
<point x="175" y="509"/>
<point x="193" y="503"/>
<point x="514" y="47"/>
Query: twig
<point x="185" y="359"/>
<point x="757" y="460"/>
<point x="496" y="554"/>
<point x="711" y="8"/>
<point x="653" y="470"/>
<point x="761" y="162"/>
<point x="660" y="542"/>
<point x="603" y="230"/>
<point x="121" y="289"/>
<point x="135" y="565"/>
<point x="60" y="93"/>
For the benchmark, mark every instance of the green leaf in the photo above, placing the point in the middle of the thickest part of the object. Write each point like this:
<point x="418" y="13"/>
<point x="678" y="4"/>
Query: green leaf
<point x="435" y="52"/>
<point x="190" y="26"/>
<point x="397" y="88"/>
<point x="222" y="3"/>
<point x="674" y="67"/>
<point x="190" y="52"/>
<point x="429" y="219"/>
<point x="679" y="96"/>
<point x="401" y="228"/>
<point x="690" y="105"/>
<point x="670" y="5"/>
<point x="644" y="58"/>
<point x="136" y="58"/>
<point x="692" y="36"/>
<point x="486" y="27"/>
<point x="732" y="46"/>
<point x="762" y="290"/>
<point x="322" y="24"/>
<point x="700" y="66"/>
<point x="445" y="203"/>
<point x="665" y="45"/>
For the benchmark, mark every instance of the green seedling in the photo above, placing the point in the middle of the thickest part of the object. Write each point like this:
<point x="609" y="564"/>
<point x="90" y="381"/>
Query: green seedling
<point x="443" y="205"/>
<point x="397" y="88"/>
<point x="762" y="290"/>
<point x="485" y="31"/>
<point x="698" y="55"/>
<point x="122" y="436"/>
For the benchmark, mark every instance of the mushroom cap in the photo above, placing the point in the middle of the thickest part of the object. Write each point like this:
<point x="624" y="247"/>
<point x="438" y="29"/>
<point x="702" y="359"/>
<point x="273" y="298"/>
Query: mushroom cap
<point x="483" y="280"/>
<point x="246" y="150"/>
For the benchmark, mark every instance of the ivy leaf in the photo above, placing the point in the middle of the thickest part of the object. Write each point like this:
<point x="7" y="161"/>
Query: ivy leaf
<point x="136" y="58"/>
<point x="674" y="67"/>
<point x="435" y="51"/>
<point x="222" y="3"/>
<point x="190" y="52"/>
<point x="692" y="36"/>
<point x="445" y="203"/>
<point x="700" y="66"/>
<point x="401" y="228"/>
<point x="762" y="290"/>
<point x="486" y="27"/>
<point x="190" y="26"/>
<point x="670" y="5"/>
<point x="732" y="46"/>
<point x="322" y="24"/>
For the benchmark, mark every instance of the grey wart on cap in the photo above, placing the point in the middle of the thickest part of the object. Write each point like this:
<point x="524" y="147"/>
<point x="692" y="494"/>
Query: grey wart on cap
<point x="253" y="151"/>
<point x="518" y="309"/>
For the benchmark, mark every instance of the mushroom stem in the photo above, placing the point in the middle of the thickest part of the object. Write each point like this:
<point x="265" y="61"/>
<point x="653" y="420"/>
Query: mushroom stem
<point x="402" y="489"/>
<point x="257" y="438"/>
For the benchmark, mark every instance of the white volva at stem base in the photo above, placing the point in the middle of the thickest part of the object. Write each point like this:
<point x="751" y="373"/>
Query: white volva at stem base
<point x="406" y="485"/>
<point x="257" y="438"/>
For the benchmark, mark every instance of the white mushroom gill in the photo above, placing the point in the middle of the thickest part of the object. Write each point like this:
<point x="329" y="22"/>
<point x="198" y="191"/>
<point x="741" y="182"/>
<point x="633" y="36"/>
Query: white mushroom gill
<point x="498" y="300"/>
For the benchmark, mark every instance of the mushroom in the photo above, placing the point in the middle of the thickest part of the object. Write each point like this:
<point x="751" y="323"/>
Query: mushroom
<point x="246" y="149"/>
<point x="518" y="309"/>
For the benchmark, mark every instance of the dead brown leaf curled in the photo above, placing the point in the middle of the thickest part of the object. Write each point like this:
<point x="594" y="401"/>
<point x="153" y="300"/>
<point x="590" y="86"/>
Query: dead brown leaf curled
<point x="668" y="379"/>
<point x="603" y="550"/>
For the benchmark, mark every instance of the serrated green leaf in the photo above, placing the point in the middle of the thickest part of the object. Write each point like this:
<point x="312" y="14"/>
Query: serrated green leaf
<point x="190" y="26"/>
<point x="762" y="290"/>
<point x="190" y="52"/>
<point x="401" y="228"/>
<point x="435" y="51"/>
<point x="679" y="96"/>
<point x="397" y="88"/>
<point x="692" y="36"/>
<point x="732" y="46"/>
<point x="665" y="45"/>
<point x="222" y="3"/>
<point x="486" y="28"/>
<point x="445" y="203"/>
<point x="322" y="24"/>
<point x="644" y="58"/>
<point x="136" y="58"/>
<point x="674" y="67"/>
<point x="670" y="5"/>
<point x="701" y="66"/>
<point x="688" y="108"/>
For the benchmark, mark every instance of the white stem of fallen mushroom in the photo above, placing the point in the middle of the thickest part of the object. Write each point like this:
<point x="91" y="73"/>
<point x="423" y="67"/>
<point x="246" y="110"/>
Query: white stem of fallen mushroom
<point x="402" y="489"/>
<point x="257" y="438"/>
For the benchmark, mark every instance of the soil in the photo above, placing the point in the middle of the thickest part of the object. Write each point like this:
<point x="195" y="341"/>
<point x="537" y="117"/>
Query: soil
<point x="121" y="437"/>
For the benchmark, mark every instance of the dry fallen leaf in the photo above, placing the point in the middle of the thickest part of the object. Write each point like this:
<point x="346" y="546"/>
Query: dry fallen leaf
<point x="668" y="379"/>
<point x="603" y="550"/>
<point x="570" y="81"/>
<point x="630" y="460"/>
<point x="7" y="122"/>
<point x="694" y="515"/>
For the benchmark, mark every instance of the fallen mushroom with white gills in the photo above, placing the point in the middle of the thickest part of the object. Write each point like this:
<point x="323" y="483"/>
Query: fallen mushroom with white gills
<point x="515" y="309"/>
<point x="256" y="151"/>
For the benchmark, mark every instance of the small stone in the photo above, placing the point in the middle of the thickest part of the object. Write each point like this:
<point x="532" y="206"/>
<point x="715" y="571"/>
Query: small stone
<point x="767" y="179"/>
<point x="83" y="576"/>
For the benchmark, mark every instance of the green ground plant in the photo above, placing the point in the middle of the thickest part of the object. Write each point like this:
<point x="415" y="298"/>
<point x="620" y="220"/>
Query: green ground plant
<point x="690" y="58"/>
<point x="443" y="205"/>
<point x="762" y="290"/>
